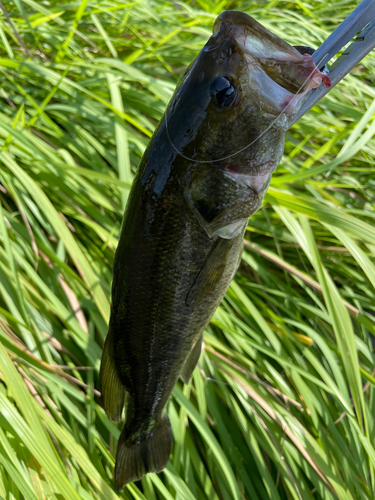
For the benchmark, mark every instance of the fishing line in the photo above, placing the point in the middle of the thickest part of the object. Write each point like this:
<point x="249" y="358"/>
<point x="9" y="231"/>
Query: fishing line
<point x="320" y="63"/>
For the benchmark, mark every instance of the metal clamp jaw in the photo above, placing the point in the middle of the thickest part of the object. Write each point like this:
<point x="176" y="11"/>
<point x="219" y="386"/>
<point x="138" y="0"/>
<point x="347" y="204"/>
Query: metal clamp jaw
<point x="362" y="20"/>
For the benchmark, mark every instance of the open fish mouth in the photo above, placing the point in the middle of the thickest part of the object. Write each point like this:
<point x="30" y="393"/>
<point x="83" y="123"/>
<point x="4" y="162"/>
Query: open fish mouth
<point x="279" y="74"/>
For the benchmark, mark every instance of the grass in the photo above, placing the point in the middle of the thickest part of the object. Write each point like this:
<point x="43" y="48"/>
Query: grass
<point x="282" y="404"/>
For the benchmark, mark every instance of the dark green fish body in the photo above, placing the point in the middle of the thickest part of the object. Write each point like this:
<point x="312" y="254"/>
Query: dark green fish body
<point x="182" y="233"/>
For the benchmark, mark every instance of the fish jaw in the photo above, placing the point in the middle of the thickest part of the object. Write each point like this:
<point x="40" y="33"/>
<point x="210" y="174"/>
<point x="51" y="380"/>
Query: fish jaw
<point x="279" y="75"/>
<point x="257" y="183"/>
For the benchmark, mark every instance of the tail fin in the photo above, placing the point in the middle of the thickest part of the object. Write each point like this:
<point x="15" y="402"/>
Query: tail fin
<point x="113" y="392"/>
<point x="134" y="459"/>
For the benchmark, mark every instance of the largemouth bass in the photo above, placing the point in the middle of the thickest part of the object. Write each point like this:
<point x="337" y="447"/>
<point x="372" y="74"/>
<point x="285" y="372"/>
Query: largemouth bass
<point x="204" y="173"/>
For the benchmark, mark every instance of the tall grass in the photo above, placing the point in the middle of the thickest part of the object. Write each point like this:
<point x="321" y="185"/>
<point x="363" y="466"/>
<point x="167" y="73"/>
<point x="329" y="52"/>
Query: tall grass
<point x="282" y="404"/>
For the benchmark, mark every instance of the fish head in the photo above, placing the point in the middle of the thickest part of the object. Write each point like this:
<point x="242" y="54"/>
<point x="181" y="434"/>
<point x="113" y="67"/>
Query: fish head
<point x="235" y="101"/>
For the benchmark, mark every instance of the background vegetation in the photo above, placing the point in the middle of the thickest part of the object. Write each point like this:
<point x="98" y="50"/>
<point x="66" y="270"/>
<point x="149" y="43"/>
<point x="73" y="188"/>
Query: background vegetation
<point x="282" y="405"/>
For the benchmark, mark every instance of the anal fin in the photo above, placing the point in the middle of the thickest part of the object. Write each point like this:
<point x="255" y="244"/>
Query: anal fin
<point x="192" y="360"/>
<point x="113" y="392"/>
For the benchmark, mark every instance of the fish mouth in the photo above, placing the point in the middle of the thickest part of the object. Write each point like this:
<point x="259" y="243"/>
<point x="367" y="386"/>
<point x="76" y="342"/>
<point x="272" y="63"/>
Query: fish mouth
<point x="280" y="76"/>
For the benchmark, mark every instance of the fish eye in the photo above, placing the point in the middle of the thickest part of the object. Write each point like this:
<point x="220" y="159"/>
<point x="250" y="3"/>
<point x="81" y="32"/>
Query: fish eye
<point x="225" y="91"/>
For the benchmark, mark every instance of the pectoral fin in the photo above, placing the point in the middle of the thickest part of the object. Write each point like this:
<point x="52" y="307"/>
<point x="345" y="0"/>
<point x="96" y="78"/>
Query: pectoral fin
<point x="211" y="272"/>
<point x="113" y="392"/>
<point x="192" y="360"/>
<point x="231" y="230"/>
